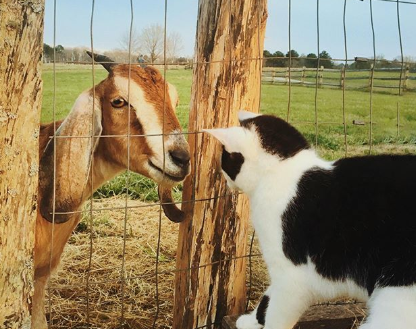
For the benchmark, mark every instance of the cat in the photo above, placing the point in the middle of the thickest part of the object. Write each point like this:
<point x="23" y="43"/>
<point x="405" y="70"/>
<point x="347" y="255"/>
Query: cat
<point x="326" y="229"/>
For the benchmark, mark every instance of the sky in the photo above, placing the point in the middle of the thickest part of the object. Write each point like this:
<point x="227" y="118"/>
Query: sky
<point x="112" y="19"/>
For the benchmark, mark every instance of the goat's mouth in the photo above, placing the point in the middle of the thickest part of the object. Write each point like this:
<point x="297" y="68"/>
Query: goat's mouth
<point x="165" y="174"/>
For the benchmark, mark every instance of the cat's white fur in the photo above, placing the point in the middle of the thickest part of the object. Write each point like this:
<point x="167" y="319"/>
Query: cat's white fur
<point x="271" y="183"/>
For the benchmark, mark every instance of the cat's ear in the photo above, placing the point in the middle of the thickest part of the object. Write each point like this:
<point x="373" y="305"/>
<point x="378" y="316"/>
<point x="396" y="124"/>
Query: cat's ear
<point x="229" y="137"/>
<point x="245" y="115"/>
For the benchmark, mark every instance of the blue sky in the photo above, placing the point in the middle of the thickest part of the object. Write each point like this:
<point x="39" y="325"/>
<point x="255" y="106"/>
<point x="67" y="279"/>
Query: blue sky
<point x="112" y="20"/>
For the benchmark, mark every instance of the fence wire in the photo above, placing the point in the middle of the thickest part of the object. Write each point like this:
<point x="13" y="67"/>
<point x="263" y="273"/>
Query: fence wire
<point x="90" y="217"/>
<point x="92" y="211"/>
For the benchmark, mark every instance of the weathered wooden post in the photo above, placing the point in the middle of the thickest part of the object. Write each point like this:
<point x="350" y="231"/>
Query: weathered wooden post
<point x="371" y="76"/>
<point x="287" y="75"/>
<point x="342" y="79"/>
<point x="303" y="75"/>
<point x="210" y="281"/>
<point x="21" y="41"/>
<point x="321" y="76"/>
<point x="405" y="78"/>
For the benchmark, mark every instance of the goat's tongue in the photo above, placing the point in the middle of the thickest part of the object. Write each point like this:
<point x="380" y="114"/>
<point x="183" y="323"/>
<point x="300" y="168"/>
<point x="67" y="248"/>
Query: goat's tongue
<point x="170" y="209"/>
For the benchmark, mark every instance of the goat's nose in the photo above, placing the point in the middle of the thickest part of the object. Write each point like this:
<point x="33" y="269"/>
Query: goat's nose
<point x="180" y="157"/>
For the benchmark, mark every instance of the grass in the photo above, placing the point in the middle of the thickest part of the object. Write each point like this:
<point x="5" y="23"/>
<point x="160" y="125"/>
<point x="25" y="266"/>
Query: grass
<point x="329" y="109"/>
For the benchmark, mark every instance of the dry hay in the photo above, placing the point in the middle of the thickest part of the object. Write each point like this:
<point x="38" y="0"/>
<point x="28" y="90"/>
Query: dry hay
<point x="106" y="290"/>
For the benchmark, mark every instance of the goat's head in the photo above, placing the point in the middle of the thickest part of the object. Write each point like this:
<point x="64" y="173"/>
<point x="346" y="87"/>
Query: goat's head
<point x="143" y="107"/>
<point x="135" y="102"/>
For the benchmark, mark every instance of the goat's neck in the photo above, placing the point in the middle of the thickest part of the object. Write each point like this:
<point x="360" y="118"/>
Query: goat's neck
<point x="102" y="171"/>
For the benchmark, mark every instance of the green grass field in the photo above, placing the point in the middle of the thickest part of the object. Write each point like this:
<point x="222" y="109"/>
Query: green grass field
<point x="387" y="135"/>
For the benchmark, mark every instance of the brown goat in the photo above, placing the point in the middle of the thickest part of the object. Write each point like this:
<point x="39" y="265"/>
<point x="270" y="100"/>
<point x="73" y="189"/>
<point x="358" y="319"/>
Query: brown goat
<point x="126" y="119"/>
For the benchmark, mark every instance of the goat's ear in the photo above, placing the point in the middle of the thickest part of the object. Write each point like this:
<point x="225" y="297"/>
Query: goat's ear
<point x="245" y="115"/>
<point x="231" y="138"/>
<point x="173" y="94"/>
<point x="76" y="140"/>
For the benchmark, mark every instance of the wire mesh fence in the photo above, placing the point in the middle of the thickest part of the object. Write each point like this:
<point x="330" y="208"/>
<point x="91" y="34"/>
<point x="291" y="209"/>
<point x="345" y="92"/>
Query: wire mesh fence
<point x="118" y="270"/>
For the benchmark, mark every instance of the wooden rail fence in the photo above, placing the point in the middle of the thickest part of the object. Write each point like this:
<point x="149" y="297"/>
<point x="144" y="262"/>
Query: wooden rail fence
<point x="351" y="78"/>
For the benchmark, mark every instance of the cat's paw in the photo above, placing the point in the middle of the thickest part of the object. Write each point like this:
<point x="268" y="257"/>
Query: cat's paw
<point x="248" y="321"/>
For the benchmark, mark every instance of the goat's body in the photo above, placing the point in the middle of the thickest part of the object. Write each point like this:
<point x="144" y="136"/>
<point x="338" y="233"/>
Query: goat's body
<point x="48" y="252"/>
<point x="50" y="241"/>
<point x="79" y="160"/>
<point x="51" y="238"/>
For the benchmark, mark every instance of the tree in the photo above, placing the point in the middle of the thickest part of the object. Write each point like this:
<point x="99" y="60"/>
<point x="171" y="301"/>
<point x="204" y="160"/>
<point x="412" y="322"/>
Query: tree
<point x="152" y="41"/>
<point x="275" y="59"/>
<point x="410" y="61"/>
<point x="292" y="55"/>
<point x="278" y="59"/>
<point x="311" y="60"/>
<point x="20" y="103"/>
<point x="47" y="52"/>
<point x="174" y="45"/>
<point x="120" y="56"/>
<point x="59" y="49"/>
<point x="135" y="43"/>
<point x="382" y="62"/>
<point x="80" y="54"/>
<point x="326" y="60"/>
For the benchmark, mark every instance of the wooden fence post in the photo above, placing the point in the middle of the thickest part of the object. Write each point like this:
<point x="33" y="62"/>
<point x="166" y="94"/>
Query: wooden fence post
<point x="287" y="75"/>
<point x="342" y="80"/>
<point x="371" y="76"/>
<point x="303" y="75"/>
<point x="210" y="281"/>
<point x="406" y="77"/>
<point x="21" y="44"/>
<point x="321" y="76"/>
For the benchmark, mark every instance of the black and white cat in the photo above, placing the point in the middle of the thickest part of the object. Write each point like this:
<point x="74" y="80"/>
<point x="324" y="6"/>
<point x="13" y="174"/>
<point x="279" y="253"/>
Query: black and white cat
<point x="326" y="229"/>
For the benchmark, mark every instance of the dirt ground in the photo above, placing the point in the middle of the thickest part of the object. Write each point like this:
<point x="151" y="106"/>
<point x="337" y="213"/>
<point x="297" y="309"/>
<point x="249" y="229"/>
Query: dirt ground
<point x="99" y="296"/>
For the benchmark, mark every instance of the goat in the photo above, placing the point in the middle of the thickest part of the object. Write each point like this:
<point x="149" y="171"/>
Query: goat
<point x="134" y="112"/>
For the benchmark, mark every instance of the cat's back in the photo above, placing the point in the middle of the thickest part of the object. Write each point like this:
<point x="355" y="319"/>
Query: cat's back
<point x="361" y="183"/>
<point x="362" y="190"/>
<point x="374" y="187"/>
<point x="358" y="215"/>
<point x="379" y="170"/>
<point x="377" y="187"/>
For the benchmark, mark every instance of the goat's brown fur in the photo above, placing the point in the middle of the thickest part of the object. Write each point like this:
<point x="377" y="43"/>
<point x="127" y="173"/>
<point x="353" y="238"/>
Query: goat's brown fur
<point x="78" y="175"/>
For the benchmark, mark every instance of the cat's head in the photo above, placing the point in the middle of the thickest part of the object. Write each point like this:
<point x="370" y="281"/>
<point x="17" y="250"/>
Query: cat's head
<point x="260" y="144"/>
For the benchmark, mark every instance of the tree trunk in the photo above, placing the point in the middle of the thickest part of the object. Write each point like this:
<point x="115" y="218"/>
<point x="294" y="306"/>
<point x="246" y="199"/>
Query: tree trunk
<point x="210" y="282"/>
<point x="21" y="36"/>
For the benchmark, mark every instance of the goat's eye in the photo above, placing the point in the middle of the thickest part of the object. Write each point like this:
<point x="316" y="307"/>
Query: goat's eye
<point x="118" y="102"/>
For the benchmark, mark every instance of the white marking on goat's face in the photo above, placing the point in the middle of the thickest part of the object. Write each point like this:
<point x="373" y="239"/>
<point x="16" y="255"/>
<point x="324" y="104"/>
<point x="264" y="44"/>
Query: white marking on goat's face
<point x="168" y="157"/>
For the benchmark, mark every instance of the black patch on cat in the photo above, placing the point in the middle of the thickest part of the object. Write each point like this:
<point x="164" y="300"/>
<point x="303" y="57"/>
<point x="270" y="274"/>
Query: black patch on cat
<point x="231" y="163"/>
<point x="357" y="221"/>
<point x="262" y="309"/>
<point x="277" y="136"/>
